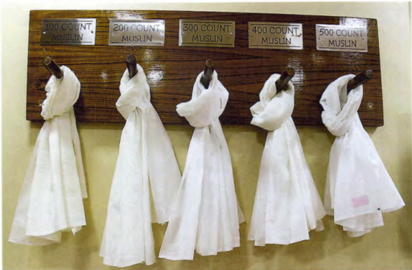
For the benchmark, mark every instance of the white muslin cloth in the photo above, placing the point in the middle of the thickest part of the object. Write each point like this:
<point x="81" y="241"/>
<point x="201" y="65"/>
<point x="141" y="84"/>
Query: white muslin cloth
<point x="146" y="178"/>
<point x="51" y="199"/>
<point x="287" y="204"/>
<point x="358" y="187"/>
<point x="205" y="215"/>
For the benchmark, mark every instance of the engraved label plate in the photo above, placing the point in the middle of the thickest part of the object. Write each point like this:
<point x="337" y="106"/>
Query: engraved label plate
<point x="341" y="38"/>
<point x="204" y="33"/>
<point x="268" y="35"/>
<point x="137" y="32"/>
<point x="68" y="31"/>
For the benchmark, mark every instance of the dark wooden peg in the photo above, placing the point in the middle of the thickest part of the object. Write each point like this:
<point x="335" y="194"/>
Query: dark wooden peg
<point x="361" y="78"/>
<point x="51" y="66"/>
<point x="285" y="77"/>
<point x="207" y="74"/>
<point x="131" y="65"/>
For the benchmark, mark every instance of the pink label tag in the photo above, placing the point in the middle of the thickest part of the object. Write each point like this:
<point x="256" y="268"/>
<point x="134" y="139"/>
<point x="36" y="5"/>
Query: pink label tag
<point x="360" y="201"/>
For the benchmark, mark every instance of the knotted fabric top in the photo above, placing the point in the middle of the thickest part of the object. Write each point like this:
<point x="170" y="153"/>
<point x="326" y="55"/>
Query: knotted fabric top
<point x="273" y="110"/>
<point x="146" y="171"/>
<point x="135" y="92"/>
<point x="61" y="94"/>
<point x="51" y="198"/>
<point x="339" y="107"/>
<point x="206" y="105"/>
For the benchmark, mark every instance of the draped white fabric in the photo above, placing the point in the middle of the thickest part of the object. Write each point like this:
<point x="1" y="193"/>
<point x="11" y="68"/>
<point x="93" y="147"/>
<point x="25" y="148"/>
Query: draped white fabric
<point x="51" y="199"/>
<point x="287" y="205"/>
<point x="358" y="187"/>
<point x="147" y="177"/>
<point x="205" y="215"/>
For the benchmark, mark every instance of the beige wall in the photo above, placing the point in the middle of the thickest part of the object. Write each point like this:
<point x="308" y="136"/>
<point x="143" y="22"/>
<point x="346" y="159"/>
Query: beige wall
<point x="389" y="247"/>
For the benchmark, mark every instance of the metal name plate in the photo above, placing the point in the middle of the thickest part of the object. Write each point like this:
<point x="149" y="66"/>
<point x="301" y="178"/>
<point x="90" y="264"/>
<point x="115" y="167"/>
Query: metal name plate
<point x="267" y="35"/>
<point x="342" y="38"/>
<point x="204" y="33"/>
<point x="136" y="32"/>
<point x="68" y="31"/>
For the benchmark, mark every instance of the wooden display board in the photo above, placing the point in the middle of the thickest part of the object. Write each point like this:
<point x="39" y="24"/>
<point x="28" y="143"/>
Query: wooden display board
<point x="172" y="69"/>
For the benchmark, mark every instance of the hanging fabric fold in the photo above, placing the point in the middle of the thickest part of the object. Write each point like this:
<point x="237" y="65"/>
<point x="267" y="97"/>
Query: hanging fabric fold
<point x="205" y="215"/>
<point x="146" y="173"/>
<point x="51" y="199"/>
<point x="287" y="205"/>
<point x="358" y="187"/>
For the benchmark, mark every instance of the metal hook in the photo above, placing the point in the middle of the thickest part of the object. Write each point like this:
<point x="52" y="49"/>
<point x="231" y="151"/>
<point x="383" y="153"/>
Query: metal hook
<point x="51" y="66"/>
<point x="131" y="65"/>
<point x="285" y="77"/>
<point x="207" y="74"/>
<point x="361" y="78"/>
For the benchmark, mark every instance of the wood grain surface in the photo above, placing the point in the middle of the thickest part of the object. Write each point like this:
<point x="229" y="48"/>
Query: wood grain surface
<point x="171" y="70"/>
